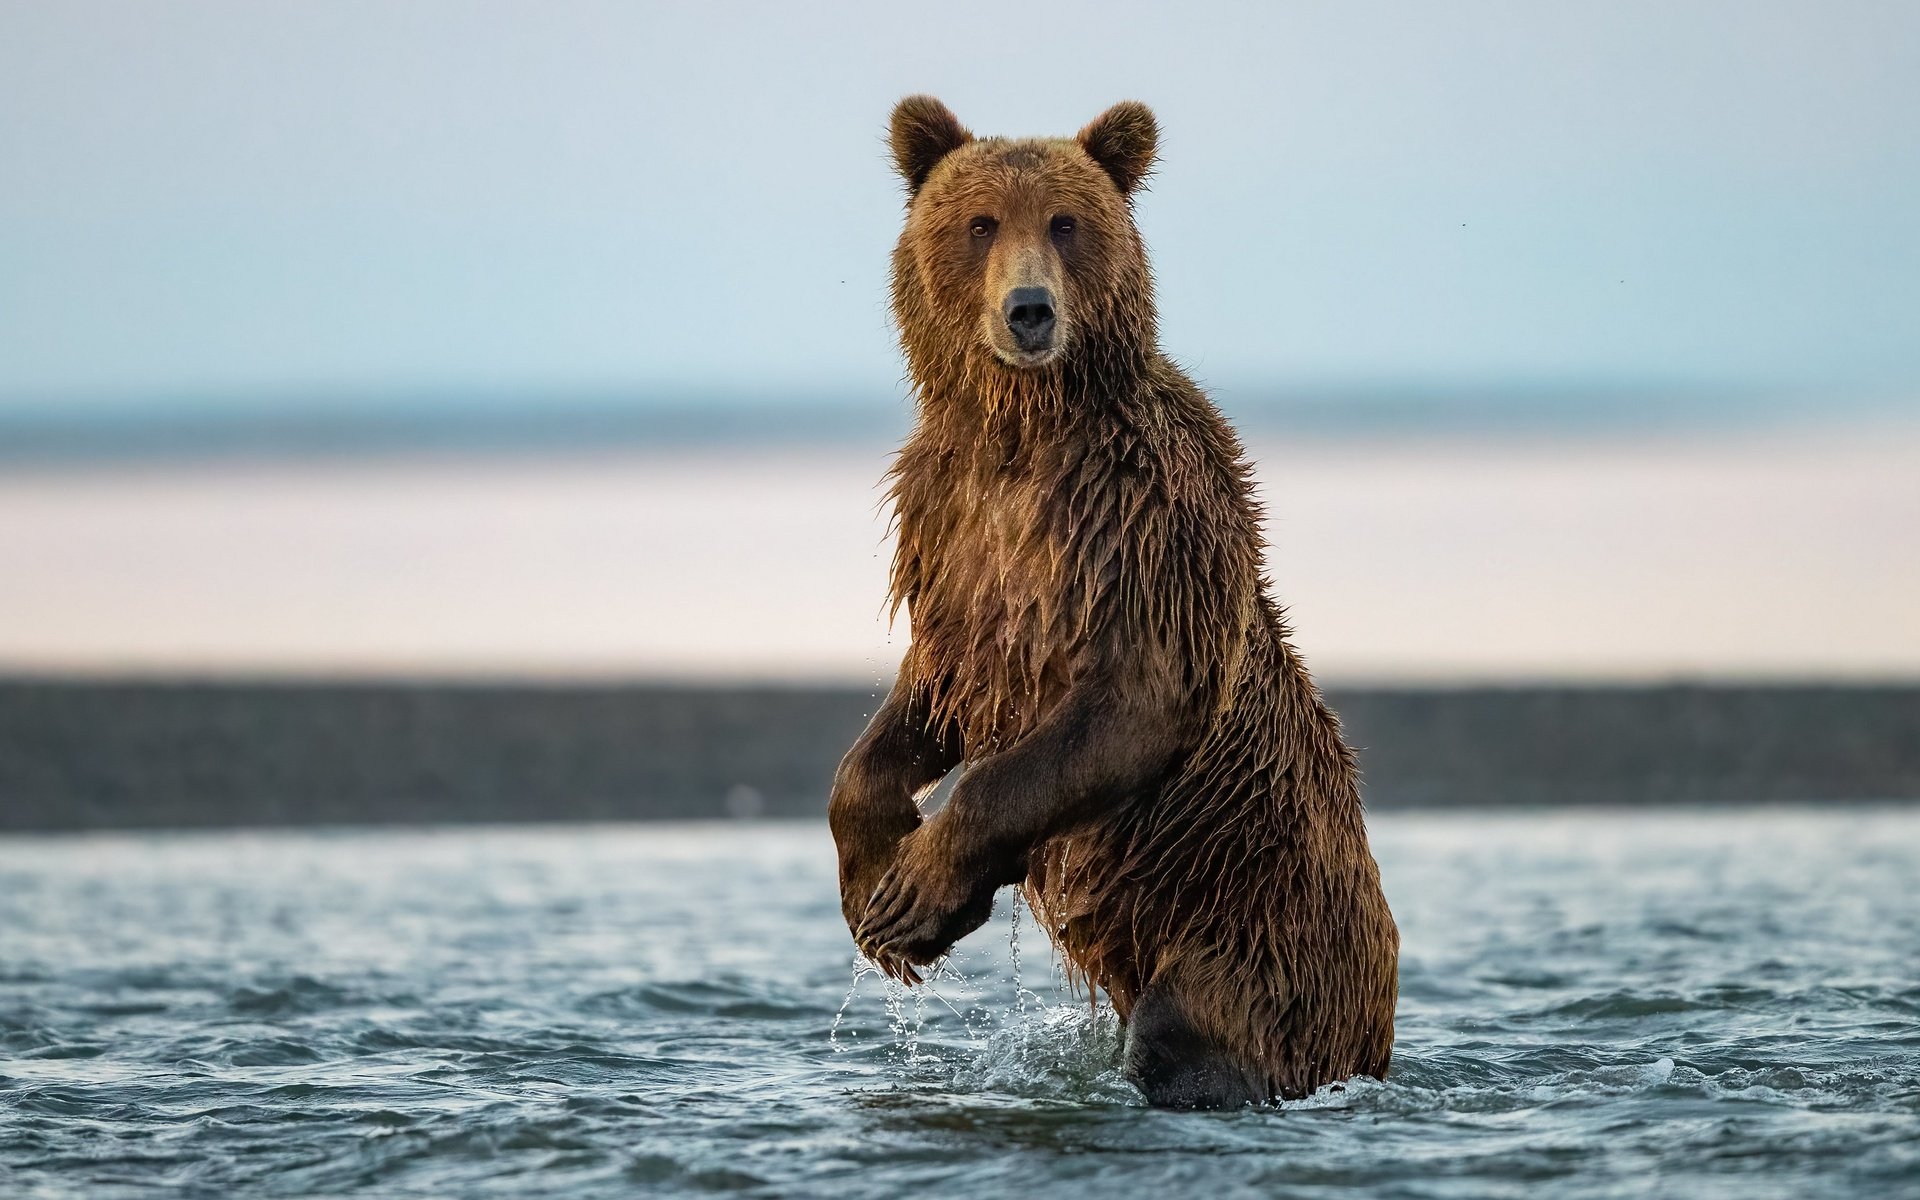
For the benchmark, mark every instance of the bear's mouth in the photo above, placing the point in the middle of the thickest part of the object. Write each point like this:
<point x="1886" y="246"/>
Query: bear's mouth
<point x="1026" y="360"/>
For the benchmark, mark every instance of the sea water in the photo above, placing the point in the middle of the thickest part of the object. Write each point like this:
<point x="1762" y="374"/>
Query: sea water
<point x="1592" y="1004"/>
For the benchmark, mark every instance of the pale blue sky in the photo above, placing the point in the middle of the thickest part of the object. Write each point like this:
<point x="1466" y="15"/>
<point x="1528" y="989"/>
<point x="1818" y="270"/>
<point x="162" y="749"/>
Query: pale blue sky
<point x="241" y="201"/>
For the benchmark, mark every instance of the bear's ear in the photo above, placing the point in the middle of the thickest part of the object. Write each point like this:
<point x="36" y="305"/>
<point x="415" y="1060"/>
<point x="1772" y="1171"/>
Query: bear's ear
<point x="1122" y="140"/>
<point x="923" y="131"/>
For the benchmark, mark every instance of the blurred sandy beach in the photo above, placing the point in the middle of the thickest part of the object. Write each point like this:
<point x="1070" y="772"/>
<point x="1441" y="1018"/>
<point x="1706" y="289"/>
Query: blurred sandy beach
<point x="1755" y="554"/>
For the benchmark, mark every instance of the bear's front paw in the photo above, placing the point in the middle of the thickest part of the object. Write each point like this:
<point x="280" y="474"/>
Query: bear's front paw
<point x="859" y="877"/>
<point x="869" y="841"/>
<point x="860" y="881"/>
<point x="924" y="904"/>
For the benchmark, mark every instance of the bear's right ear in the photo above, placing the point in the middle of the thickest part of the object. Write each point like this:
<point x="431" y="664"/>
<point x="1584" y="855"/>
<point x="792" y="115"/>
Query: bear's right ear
<point x="923" y="131"/>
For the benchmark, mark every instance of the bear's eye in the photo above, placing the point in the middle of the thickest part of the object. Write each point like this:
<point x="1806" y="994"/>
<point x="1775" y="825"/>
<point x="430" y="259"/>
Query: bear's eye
<point x="1061" y="228"/>
<point x="984" y="226"/>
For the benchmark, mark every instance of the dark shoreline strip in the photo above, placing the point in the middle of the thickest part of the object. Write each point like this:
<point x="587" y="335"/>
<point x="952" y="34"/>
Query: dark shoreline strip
<point x="101" y="754"/>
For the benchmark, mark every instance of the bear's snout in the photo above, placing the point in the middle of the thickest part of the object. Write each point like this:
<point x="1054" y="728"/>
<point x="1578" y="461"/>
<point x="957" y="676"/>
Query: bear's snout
<point x="1030" y="318"/>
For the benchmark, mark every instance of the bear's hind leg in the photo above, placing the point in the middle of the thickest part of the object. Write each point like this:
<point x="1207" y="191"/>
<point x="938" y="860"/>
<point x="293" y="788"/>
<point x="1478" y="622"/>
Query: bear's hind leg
<point x="1175" y="1065"/>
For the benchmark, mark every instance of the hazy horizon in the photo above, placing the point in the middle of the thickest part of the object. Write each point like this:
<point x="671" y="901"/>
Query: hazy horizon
<point x="487" y="339"/>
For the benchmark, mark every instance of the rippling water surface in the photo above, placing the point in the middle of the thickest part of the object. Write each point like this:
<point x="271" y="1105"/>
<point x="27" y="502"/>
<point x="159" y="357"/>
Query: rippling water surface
<point x="1716" y="1004"/>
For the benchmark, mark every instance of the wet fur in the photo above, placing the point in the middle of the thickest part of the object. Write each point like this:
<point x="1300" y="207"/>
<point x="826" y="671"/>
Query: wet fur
<point x="1080" y="555"/>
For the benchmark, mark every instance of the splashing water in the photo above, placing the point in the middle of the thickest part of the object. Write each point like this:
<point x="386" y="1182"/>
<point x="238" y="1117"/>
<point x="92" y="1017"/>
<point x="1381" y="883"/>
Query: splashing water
<point x="862" y="967"/>
<point x="1030" y="1046"/>
<point x="1013" y="953"/>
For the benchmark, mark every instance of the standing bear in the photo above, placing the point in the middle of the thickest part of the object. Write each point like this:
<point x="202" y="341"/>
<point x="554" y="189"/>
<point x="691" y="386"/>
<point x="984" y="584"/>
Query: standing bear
<point x="1080" y="559"/>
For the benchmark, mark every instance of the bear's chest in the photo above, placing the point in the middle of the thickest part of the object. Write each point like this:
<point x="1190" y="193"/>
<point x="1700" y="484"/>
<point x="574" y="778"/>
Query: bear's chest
<point x="992" y="598"/>
<point x="989" y="555"/>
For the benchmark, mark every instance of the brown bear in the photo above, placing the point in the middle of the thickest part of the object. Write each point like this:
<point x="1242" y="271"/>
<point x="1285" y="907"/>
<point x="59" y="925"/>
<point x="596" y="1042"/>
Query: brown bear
<point x="1079" y="553"/>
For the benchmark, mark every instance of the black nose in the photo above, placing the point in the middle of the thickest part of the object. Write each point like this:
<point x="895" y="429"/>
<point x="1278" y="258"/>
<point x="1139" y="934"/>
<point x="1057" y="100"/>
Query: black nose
<point x="1029" y="313"/>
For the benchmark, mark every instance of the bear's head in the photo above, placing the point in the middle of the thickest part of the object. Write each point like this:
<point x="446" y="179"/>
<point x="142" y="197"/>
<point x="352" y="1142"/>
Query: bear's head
<point x="1020" y="256"/>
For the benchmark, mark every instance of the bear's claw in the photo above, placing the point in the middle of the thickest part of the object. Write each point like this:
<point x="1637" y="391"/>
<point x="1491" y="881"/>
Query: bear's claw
<point x="891" y="966"/>
<point x="904" y="923"/>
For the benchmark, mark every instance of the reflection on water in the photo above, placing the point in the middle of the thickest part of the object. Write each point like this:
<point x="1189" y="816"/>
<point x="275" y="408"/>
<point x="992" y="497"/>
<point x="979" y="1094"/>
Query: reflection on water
<point x="1593" y="1004"/>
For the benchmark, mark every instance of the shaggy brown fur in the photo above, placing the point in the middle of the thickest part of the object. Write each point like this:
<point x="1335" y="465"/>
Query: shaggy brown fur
<point x="1080" y="556"/>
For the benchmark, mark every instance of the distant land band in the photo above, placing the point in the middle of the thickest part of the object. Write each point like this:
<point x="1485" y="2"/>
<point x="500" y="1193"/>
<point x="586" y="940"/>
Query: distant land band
<point x="91" y="754"/>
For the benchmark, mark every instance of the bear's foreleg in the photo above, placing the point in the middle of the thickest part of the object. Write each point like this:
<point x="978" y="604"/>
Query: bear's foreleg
<point x="872" y="807"/>
<point x="1100" y="744"/>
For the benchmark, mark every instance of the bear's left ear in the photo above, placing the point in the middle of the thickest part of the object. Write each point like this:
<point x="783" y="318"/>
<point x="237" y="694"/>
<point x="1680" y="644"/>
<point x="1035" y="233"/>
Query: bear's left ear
<point x="1122" y="140"/>
<point x="923" y="131"/>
